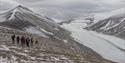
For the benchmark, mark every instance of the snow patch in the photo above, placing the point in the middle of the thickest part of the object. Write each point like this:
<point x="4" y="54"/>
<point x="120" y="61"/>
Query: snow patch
<point x="56" y="20"/>
<point x="3" y="60"/>
<point x="57" y="37"/>
<point x="65" y="41"/>
<point x="35" y="31"/>
<point x="106" y="25"/>
<point x="13" y="14"/>
<point x="56" y="29"/>
<point x="4" y="47"/>
<point x="116" y="24"/>
<point x="46" y="31"/>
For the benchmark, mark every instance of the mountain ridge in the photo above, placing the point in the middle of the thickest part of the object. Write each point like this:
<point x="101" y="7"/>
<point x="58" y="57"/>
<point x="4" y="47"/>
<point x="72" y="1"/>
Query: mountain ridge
<point x="113" y="25"/>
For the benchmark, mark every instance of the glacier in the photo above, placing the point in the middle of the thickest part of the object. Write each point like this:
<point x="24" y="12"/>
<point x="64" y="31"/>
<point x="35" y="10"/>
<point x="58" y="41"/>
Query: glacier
<point x="101" y="46"/>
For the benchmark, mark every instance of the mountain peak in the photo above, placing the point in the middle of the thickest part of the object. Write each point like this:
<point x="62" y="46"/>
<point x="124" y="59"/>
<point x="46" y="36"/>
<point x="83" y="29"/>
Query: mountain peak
<point x="20" y="7"/>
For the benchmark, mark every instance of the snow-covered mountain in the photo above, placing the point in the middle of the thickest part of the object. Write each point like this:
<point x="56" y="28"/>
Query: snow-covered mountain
<point x="24" y="19"/>
<point x="53" y="39"/>
<point x="87" y="19"/>
<point x="112" y="23"/>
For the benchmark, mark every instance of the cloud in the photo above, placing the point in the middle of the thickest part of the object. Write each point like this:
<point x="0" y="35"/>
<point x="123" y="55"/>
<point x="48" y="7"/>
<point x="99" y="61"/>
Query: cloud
<point x="90" y="5"/>
<point x="7" y="4"/>
<point x="68" y="7"/>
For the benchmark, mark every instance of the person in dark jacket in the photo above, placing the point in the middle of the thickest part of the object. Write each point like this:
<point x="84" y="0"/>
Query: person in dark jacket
<point x="32" y="40"/>
<point x="18" y="39"/>
<point x="36" y="42"/>
<point x="13" y="38"/>
<point x="23" y="41"/>
<point x="27" y="41"/>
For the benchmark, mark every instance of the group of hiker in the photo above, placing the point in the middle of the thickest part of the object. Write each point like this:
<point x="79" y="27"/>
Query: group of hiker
<point x="24" y="40"/>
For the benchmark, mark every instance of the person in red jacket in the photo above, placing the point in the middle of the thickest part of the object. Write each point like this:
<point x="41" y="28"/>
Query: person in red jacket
<point x="23" y="41"/>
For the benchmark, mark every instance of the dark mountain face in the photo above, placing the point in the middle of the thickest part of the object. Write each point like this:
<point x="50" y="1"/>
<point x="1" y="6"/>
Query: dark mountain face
<point x="22" y="18"/>
<point x="114" y="25"/>
<point x="15" y="18"/>
<point x="24" y="15"/>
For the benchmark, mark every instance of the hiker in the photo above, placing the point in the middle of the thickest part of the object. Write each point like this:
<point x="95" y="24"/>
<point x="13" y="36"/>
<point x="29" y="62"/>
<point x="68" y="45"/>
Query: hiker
<point x="32" y="40"/>
<point x="23" y="41"/>
<point x="18" y="39"/>
<point x="27" y="41"/>
<point x="36" y="42"/>
<point x="13" y="38"/>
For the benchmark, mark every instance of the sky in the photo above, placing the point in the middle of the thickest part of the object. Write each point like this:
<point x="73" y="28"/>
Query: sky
<point x="64" y="8"/>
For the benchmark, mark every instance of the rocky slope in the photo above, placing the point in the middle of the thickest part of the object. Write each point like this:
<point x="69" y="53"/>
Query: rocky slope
<point x="48" y="50"/>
